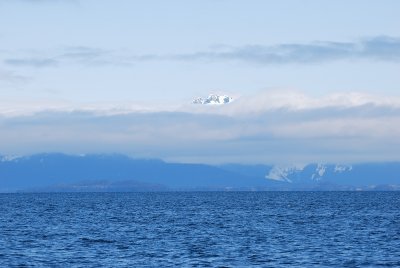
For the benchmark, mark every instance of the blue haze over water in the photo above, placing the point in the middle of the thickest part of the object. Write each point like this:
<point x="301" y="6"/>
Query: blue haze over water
<point x="206" y="229"/>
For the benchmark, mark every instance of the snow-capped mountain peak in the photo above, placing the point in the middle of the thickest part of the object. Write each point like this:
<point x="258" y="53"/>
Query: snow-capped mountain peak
<point x="319" y="172"/>
<point x="213" y="99"/>
<point x="279" y="173"/>
<point x="342" y="168"/>
<point x="8" y="158"/>
<point x="310" y="173"/>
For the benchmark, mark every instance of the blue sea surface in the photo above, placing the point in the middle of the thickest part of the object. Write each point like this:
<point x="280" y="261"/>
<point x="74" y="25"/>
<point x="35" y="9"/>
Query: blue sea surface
<point x="203" y="229"/>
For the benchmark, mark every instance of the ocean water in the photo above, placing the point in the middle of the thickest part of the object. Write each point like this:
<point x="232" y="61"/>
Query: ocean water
<point x="200" y="229"/>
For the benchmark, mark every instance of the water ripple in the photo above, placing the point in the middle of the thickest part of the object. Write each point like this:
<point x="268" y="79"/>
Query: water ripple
<point x="203" y="229"/>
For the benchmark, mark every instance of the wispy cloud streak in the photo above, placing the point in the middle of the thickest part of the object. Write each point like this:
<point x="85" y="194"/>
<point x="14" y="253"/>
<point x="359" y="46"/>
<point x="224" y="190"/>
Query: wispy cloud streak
<point x="33" y="62"/>
<point x="80" y="55"/>
<point x="10" y="77"/>
<point x="380" y="48"/>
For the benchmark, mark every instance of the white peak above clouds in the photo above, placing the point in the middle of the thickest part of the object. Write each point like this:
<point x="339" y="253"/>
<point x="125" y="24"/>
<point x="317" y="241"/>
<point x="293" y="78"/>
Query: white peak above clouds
<point x="213" y="99"/>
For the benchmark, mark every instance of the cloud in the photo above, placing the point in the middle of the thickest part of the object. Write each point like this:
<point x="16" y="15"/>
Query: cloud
<point x="297" y="102"/>
<point x="10" y="77"/>
<point x="32" y="62"/>
<point x="331" y="129"/>
<point x="380" y="48"/>
<point x="81" y="55"/>
<point x="84" y="54"/>
<point x="272" y="101"/>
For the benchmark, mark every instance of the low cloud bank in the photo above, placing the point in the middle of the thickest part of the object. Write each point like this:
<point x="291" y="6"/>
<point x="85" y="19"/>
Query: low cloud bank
<point x="269" y="127"/>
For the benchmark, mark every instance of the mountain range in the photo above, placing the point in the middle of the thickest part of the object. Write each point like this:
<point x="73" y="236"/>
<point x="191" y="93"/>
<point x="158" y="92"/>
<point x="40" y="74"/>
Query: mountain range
<point x="55" y="172"/>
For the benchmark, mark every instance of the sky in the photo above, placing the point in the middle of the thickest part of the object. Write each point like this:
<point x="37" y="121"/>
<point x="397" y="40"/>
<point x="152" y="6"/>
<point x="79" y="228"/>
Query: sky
<point x="312" y="81"/>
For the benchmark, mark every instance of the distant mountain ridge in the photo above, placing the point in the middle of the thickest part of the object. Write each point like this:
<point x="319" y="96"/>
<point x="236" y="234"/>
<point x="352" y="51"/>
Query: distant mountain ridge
<point x="42" y="171"/>
<point x="113" y="172"/>
<point x="354" y="175"/>
<point x="311" y="172"/>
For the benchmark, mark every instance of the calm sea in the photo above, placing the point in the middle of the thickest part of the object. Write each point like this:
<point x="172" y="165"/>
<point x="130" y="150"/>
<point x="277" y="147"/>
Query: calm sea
<point x="203" y="229"/>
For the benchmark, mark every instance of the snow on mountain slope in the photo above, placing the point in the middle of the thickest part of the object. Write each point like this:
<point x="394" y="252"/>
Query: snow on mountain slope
<point x="213" y="99"/>
<point x="8" y="158"/>
<point x="319" y="172"/>
<point x="307" y="174"/>
<point x="279" y="173"/>
<point x="342" y="168"/>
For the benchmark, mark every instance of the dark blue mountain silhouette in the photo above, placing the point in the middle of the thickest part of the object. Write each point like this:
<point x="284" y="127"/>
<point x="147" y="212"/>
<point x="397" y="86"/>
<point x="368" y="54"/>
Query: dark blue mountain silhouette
<point x="114" y="172"/>
<point x="43" y="170"/>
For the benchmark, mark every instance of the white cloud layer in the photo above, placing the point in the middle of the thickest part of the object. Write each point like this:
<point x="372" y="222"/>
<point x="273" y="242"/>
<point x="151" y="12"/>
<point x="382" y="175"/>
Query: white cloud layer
<point x="269" y="127"/>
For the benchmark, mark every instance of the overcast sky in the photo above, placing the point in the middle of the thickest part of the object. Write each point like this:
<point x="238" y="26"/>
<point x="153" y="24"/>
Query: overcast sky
<point x="312" y="80"/>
